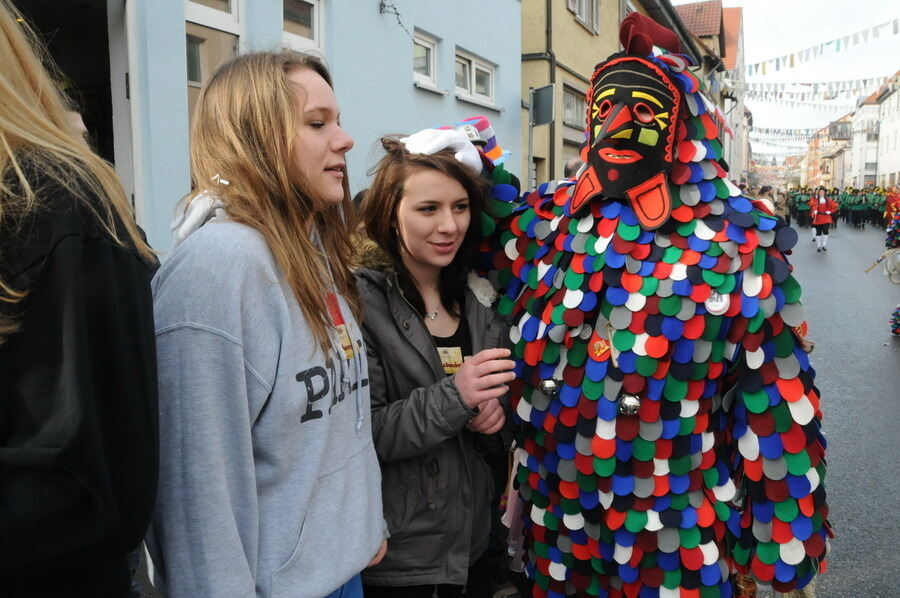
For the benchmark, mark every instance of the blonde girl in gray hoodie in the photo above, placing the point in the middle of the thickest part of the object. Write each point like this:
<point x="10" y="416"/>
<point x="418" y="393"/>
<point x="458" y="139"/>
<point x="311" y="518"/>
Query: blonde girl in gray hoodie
<point x="269" y="483"/>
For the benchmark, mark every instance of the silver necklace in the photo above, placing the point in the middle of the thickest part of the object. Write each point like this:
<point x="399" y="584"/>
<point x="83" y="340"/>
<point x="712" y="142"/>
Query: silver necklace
<point x="432" y="315"/>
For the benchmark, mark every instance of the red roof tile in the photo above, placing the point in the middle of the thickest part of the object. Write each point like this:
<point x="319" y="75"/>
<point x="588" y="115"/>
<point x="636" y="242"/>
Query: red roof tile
<point x="702" y="18"/>
<point x="732" y="19"/>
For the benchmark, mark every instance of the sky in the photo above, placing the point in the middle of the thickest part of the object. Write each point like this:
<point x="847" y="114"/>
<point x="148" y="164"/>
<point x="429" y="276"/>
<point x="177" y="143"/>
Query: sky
<point x="774" y="28"/>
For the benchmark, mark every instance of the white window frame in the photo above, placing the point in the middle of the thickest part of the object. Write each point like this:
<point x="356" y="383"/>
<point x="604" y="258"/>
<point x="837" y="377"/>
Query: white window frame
<point x="579" y="96"/>
<point x="587" y="12"/>
<point x="474" y="62"/>
<point x="423" y="39"/>
<point x="303" y="44"/>
<point x="228" y="22"/>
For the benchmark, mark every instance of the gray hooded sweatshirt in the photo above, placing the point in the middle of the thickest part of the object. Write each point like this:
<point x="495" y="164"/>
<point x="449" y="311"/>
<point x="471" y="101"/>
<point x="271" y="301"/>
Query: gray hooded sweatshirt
<point x="269" y="483"/>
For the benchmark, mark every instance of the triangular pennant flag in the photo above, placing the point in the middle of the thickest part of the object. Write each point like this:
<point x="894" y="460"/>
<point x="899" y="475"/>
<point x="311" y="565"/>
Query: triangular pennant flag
<point x="896" y="24"/>
<point x="865" y="36"/>
<point x="792" y="61"/>
<point x="855" y="39"/>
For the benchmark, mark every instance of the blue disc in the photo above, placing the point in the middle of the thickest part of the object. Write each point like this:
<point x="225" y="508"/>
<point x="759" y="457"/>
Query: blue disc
<point x="802" y="527"/>
<point x="707" y="191"/>
<point x="763" y="510"/>
<point x="622" y="485"/>
<point x="770" y="446"/>
<point x="735" y="233"/>
<point x="741" y="204"/>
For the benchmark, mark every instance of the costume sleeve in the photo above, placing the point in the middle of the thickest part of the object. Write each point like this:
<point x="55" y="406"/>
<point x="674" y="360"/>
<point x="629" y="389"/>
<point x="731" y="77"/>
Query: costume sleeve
<point x="415" y="424"/>
<point x="78" y="432"/>
<point x="205" y="530"/>
<point x="780" y="529"/>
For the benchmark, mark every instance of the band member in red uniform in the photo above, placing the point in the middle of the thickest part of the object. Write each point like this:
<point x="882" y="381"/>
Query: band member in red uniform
<point x="821" y="210"/>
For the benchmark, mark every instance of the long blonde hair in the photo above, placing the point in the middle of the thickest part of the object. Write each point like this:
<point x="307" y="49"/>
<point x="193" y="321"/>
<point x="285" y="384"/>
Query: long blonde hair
<point x="37" y="137"/>
<point x="243" y="131"/>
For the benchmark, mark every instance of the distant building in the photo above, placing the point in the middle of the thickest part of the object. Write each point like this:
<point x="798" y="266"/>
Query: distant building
<point x="888" y="156"/>
<point x="864" y="143"/>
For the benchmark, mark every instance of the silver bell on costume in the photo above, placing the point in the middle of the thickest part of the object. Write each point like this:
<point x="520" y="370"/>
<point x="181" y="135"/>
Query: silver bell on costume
<point x="629" y="404"/>
<point x="549" y="387"/>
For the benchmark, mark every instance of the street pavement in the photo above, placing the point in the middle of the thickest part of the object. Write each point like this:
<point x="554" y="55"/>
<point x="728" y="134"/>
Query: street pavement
<point x="858" y="375"/>
<point x="857" y="362"/>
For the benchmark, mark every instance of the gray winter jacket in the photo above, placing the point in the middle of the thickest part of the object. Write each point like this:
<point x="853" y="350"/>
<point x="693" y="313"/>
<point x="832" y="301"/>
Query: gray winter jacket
<point x="436" y="485"/>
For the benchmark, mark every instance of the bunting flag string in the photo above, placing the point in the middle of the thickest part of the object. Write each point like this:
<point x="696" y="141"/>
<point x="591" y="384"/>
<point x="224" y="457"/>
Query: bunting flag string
<point x="842" y="43"/>
<point x="815" y="90"/>
<point x="791" y="103"/>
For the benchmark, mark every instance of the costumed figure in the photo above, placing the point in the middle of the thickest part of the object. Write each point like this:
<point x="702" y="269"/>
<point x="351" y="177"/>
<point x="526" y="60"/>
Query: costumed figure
<point x="821" y="209"/>
<point x="670" y="425"/>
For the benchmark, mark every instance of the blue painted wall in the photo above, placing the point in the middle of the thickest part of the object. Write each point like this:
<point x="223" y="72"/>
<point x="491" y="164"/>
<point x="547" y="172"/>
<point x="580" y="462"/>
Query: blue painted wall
<point x="371" y="58"/>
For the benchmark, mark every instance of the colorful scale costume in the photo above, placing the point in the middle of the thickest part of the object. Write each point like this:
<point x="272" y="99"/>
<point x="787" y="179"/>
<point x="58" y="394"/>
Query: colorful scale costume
<point x="670" y="423"/>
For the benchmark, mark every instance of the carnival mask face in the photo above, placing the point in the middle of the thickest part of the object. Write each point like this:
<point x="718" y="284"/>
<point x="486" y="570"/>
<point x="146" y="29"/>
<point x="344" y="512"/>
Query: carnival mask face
<point x="633" y="111"/>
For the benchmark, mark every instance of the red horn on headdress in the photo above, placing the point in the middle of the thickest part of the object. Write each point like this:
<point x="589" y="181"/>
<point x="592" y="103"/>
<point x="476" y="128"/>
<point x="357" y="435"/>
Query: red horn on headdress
<point x="639" y="34"/>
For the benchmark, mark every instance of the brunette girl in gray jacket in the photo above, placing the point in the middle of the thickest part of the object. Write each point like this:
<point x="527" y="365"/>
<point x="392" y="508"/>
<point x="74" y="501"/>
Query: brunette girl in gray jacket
<point x="437" y="371"/>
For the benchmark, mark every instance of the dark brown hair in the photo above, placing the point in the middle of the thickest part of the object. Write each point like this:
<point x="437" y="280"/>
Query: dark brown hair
<point x="379" y="213"/>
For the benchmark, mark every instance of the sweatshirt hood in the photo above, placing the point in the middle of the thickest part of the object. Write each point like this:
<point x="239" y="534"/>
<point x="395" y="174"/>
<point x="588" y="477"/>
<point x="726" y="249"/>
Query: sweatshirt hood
<point x="198" y="210"/>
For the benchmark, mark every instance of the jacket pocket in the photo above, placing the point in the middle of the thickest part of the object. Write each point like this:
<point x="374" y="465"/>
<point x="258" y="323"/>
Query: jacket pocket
<point x="339" y="533"/>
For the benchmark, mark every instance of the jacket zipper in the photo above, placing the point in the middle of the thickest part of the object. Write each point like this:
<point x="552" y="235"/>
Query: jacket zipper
<point x="459" y="441"/>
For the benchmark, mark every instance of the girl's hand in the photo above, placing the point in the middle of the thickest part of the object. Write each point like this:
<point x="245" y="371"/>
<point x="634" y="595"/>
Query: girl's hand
<point x="490" y="418"/>
<point x="378" y="555"/>
<point x="484" y="376"/>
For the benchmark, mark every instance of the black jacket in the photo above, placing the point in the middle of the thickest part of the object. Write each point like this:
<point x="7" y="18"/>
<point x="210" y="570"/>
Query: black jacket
<point x="436" y="486"/>
<point x="78" y="404"/>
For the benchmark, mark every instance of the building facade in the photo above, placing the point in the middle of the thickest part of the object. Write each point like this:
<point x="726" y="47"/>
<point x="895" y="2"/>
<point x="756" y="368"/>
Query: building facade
<point x="864" y="143"/>
<point x="888" y="156"/>
<point x="398" y="65"/>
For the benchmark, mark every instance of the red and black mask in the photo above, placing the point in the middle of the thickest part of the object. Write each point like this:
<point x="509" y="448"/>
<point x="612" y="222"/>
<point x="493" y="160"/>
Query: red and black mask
<point x="631" y="118"/>
<point x="633" y="112"/>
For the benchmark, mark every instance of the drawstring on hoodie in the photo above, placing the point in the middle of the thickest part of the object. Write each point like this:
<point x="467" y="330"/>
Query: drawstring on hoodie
<point x="339" y="350"/>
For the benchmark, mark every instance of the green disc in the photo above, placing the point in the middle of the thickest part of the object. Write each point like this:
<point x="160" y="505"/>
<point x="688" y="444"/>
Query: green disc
<point x="556" y="316"/>
<point x="686" y="426"/>
<point x="686" y="228"/>
<point x="646" y="366"/>
<point x="573" y="280"/>
<point x="784" y="343"/>
<point x="577" y="354"/>
<point x="672" y="579"/>
<point x="680" y="465"/>
<point x="756" y="401"/>
<point x="680" y="501"/>
<point x="756" y="322"/>
<point x="541" y="549"/>
<point x="711" y="477"/>
<point x="717" y="353"/>
<point x="628" y="232"/>
<point x="592" y="390"/>
<point x="671" y="255"/>
<point x="670" y="306"/>
<point x="759" y="260"/>
<point x="649" y="286"/>
<point x="643" y="450"/>
<point x="532" y="276"/>
<point x="588" y="483"/>
<point x="690" y="537"/>
<point x="797" y="464"/>
<point x="604" y="467"/>
<point x="570" y="506"/>
<point x="740" y="554"/>
<point x="767" y="552"/>
<point x="713" y="279"/>
<point x="711" y="327"/>
<point x="791" y="289"/>
<point x="551" y="353"/>
<point x="623" y="340"/>
<point x="635" y="521"/>
<point x="728" y="284"/>
<point x="723" y="513"/>
<point x="675" y="389"/>
<point x="787" y="510"/>
<point x="505" y="306"/>
<point x="781" y="413"/>
<point x="715" y="250"/>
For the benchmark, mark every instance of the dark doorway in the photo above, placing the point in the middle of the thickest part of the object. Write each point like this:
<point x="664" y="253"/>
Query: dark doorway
<point x="75" y="33"/>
